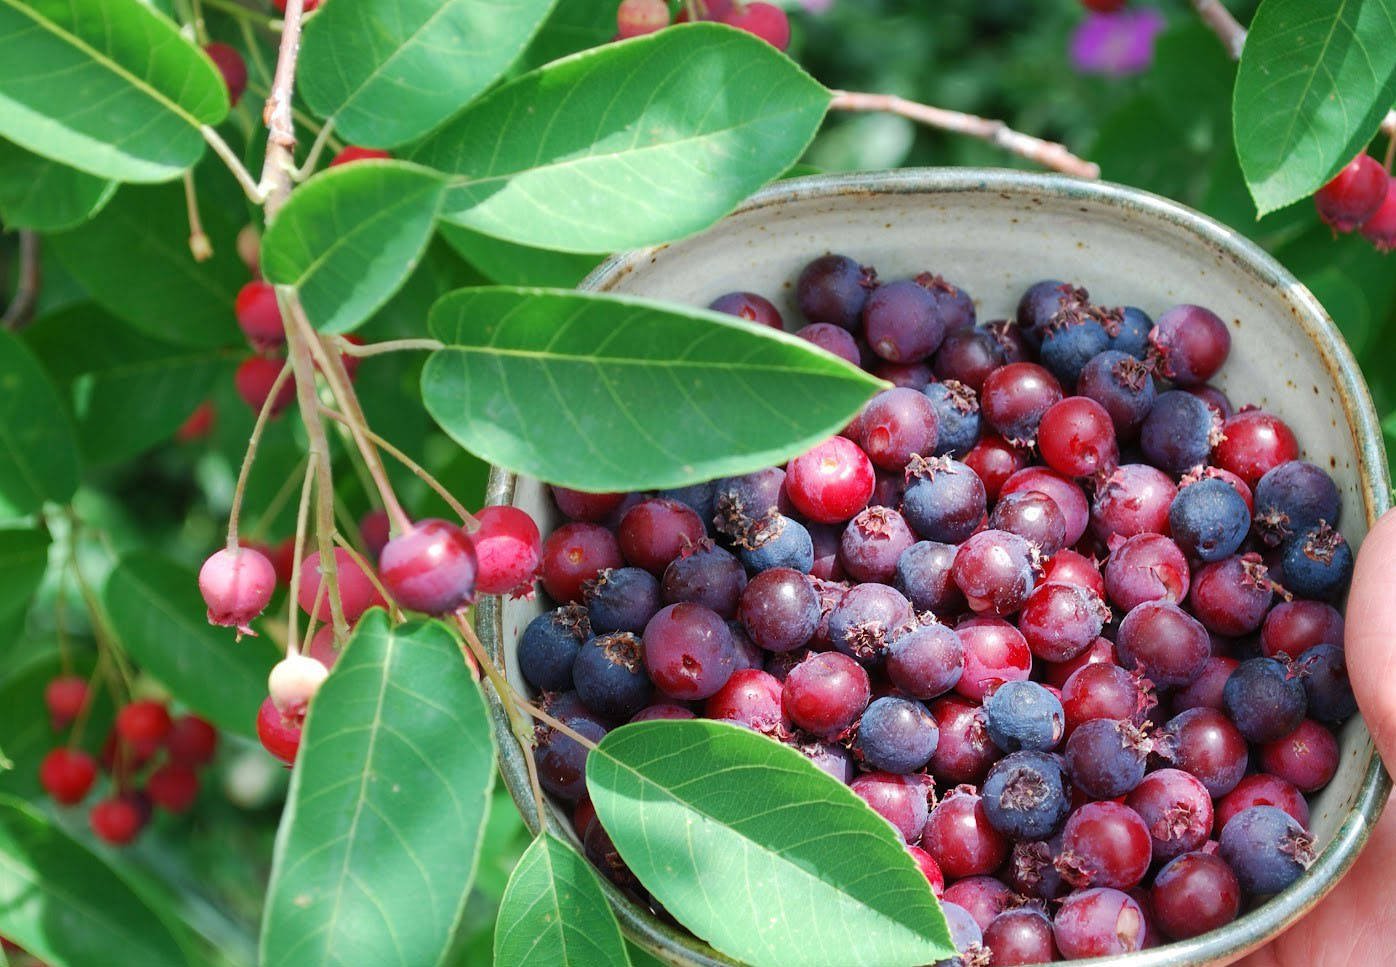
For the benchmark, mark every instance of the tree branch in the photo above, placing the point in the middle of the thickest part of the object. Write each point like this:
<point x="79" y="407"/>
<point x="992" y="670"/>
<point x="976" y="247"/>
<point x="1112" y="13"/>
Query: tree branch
<point x="278" y="170"/>
<point x="20" y="312"/>
<point x="1049" y="154"/>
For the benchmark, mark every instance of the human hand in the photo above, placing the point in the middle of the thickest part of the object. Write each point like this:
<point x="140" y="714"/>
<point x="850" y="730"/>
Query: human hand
<point x="1355" y="925"/>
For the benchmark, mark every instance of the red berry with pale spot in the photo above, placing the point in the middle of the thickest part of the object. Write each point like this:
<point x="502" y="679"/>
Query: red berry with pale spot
<point x="574" y="554"/>
<point x="507" y="549"/>
<point x="831" y="482"/>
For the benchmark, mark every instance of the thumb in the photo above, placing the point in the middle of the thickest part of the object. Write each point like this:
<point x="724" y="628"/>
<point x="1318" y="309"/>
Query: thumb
<point x="1371" y="631"/>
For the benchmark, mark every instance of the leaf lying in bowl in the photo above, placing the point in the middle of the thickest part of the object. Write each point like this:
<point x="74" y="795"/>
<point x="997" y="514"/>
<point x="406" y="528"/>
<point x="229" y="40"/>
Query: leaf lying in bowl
<point x="758" y="852"/>
<point x="606" y="393"/>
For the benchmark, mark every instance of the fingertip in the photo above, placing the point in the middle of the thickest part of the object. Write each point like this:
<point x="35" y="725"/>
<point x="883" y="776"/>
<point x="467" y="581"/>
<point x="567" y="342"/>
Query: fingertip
<point x="1371" y="624"/>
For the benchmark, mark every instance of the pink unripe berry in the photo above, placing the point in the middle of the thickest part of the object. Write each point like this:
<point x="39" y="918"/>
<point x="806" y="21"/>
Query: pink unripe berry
<point x="230" y="64"/>
<point x="356" y="591"/>
<point x="323" y="648"/>
<point x="354" y="153"/>
<point x="65" y="698"/>
<point x="259" y="316"/>
<point x="254" y="380"/>
<point x="635" y="18"/>
<point x="375" y="529"/>
<point x="293" y="682"/>
<point x="431" y="568"/>
<point x="507" y="548"/>
<point x="281" y="736"/>
<point x="236" y="585"/>
<point x="765" y="20"/>
<point x="1380" y="228"/>
<point x="1354" y="194"/>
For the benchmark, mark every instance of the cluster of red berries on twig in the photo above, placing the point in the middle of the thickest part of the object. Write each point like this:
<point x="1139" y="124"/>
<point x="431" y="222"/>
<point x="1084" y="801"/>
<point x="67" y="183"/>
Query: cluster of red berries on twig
<point x="1361" y="197"/>
<point x="153" y="761"/>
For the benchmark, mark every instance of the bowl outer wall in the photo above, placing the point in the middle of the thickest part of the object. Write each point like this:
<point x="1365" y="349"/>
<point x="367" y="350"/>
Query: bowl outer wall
<point x="994" y="232"/>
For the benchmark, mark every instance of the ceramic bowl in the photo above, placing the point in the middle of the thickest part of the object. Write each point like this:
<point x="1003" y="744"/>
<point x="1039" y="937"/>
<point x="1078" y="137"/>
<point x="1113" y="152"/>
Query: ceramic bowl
<point x="994" y="233"/>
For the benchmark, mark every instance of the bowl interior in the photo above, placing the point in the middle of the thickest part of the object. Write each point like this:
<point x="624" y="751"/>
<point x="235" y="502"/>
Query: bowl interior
<point x="994" y="234"/>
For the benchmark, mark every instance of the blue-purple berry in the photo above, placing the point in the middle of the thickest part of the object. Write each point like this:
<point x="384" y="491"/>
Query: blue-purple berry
<point x="1293" y="498"/>
<point x="1209" y="519"/>
<point x="776" y="541"/>
<point x="1265" y="698"/>
<point x="1317" y="564"/>
<point x="923" y="575"/>
<point x="706" y="575"/>
<point x="896" y="735"/>
<point x="1130" y="333"/>
<point x="610" y="675"/>
<point x="1121" y="384"/>
<point x="1106" y="757"/>
<point x="621" y="599"/>
<point x="1025" y="795"/>
<point x="549" y="646"/>
<point x="957" y="415"/>
<point x="944" y="500"/>
<point x="1266" y="849"/>
<point x="1024" y="716"/>
<point x="1070" y="344"/>
<point x="1177" y="435"/>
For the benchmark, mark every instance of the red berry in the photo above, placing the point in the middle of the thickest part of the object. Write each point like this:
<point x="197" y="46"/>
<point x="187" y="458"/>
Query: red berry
<point x="1380" y="228"/>
<point x="656" y="531"/>
<point x="965" y="752"/>
<point x="1060" y="621"/>
<point x="117" y="821"/>
<point x="765" y="20"/>
<point x="929" y="868"/>
<point x="192" y="741"/>
<point x="173" y="787"/>
<point x="1104" y="6"/>
<point x="283" y="557"/>
<point x="689" y="651"/>
<point x="826" y="693"/>
<point x="578" y="505"/>
<point x="1071" y="567"/>
<point x="994" y="569"/>
<point x="995" y="652"/>
<point x="375" y="529"/>
<point x="356" y="591"/>
<point x="1070" y="499"/>
<point x="1190" y="343"/>
<point x="1077" y="437"/>
<point x="230" y="64"/>
<point x="254" y="380"/>
<point x="1193" y="894"/>
<point x="353" y="153"/>
<point x="307" y="7"/>
<point x="960" y="839"/>
<point x="65" y="698"/>
<point x="635" y="18"/>
<point x="901" y="800"/>
<point x="143" y="725"/>
<point x="1293" y="627"/>
<point x="430" y="568"/>
<point x="831" y="482"/>
<point x="1099" y="922"/>
<point x="67" y="775"/>
<point x="280" y="735"/>
<point x="1105" y="844"/>
<point x="751" y="307"/>
<point x="197" y="425"/>
<point x="259" y="316"/>
<point x="1254" y="442"/>
<point x="1015" y="397"/>
<point x="237" y="585"/>
<point x="1262" y="789"/>
<point x="1177" y="809"/>
<point x="1307" y="757"/>
<point x="574" y="554"/>
<point x="323" y="648"/>
<point x="1354" y="194"/>
<point x="751" y="698"/>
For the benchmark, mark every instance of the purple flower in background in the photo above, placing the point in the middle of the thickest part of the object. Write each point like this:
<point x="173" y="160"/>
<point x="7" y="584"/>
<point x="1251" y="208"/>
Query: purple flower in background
<point x="816" y="6"/>
<point x="1117" y="44"/>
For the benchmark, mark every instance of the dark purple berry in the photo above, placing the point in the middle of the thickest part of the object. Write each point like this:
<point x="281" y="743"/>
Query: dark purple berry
<point x="944" y="501"/>
<point x="1191" y="344"/>
<point x="748" y="306"/>
<point x="562" y="759"/>
<point x="926" y="661"/>
<point x="1209" y="519"/>
<point x="1266" y="849"/>
<point x="699" y="497"/>
<point x="902" y="321"/>
<point x="832" y="339"/>
<point x="549" y="646"/>
<point x="1123" y="385"/>
<point x="1130" y="332"/>
<point x="621" y="599"/>
<point x="834" y="289"/>
<point x="706" y="575"/>
<point x="1067" y="347"/>
<point x="1325" y="675"/>
<point x="1024" y="716"/>
<point x="1014" y="397"/>
<point x="1265" y="698"/>
<point x="1292" y="498"/>
<point x="1168" y="645"/>
<point x="1178" y="433"/>
<point x="923" y="575"/>
<point x="610" y="676"/>
<point x="955" y="305"/>
<point x="866" y="620"/>
<point x="1106" y="757"/>
<point x="779" y="609"/>
<point x="968" y="357"/>
<point x="1033" y="516"/>
<point x="1025" y="796"/>
<point x="776" y="541"/>
<point x="896" y="735"/>
<point x="873" y="542"/>
<point x="1317" y="564"/>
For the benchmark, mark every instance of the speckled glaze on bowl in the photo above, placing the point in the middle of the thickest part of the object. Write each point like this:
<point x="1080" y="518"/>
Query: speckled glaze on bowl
<point x="993" y="233"/>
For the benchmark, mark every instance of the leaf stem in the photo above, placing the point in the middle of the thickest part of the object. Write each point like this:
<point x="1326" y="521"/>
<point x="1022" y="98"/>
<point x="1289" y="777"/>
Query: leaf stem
<point x="371" y="574"/>
<point x="249" y="186"/>
<point x="1049" y="154"/>
<point x="199" y="245"/>
<point x="20" y="312"/>
<point x="302" y="522"/>
<point x="388" y="346"/>
<point x="322" y="138"/>
<point x="263" y="418"/>
<point x="466" y="517"/>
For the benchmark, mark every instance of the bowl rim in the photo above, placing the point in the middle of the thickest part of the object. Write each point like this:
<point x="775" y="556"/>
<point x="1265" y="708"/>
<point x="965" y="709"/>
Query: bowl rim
<point x="1218" y="946"/>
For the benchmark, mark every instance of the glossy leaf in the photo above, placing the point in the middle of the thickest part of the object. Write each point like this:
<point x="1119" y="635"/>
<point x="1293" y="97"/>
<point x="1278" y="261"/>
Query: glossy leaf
<point x="388" y="71"/>
<point x="350" y="237"/>
<point x="44" y="195"/>
<point x="38" y="452"/>
<point x="1316" y="77"/>
<point x="571" y="27"/>
<point x="107" y="86"/>
<point x="607" y="393"/>
<point x="381" y="833"/>
<point x="510" y="264"/>
<point x="134" y="260"/>
<point x="64" y="905"/>
<point x="158" y="614"/>
<point x="131" y="391"/>
<point x="23" y="559"/>
<point x="759" y="852"/>
<point x="554" y="914"/>
<point x="630" y="144"/>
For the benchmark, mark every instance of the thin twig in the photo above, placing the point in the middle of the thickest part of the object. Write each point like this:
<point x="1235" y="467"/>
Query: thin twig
<point x="254" y="48"/>
<point x="322" y="138"/>
<point x="250" y="188"/>
<point x="1390" y="151"/>
<point x="1233" y="36"/>
<point x="263" y="417"/>
<point x="278" y="500"/>
<point x="20" y="312"/>
<point x="389" y="346"/>
<point x="199" y="245"/>
<point x="371" y="574"/>
<point x="280" y="163"/>
<point x="297" y="556"/>
<point x="421" y="472"/>
<point x="1049" y="154"/>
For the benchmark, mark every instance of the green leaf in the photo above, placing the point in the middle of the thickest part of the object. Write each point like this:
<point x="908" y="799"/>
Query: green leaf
<point x="23" y="560"/>
<point x="554" y="914"/>
<point x="44" y="195"/>
<point x="388" y="71"/>
<point x="64" y="905"/>
<point x="382" y="827"/>
<point x="132" y="391"/>
<point x="720" y="823"/>
<point x="106" y="86"/>
<point x="350" y="237"/>
<point x="628" y="144"/>
<point x="158" y="614"/>
<point x="604" y="393"/>
<point x="25" y="669"/>
<point x="38" y="452"/>
<point x="1316" y="77"/>
<point x="134" y="260"/>
<point x="572" y="27"/>
<point x="510" y="264"/>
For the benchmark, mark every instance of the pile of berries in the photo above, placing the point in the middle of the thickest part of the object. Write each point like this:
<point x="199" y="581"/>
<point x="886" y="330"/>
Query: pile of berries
<point x="1361" y="197"/>
<point x="635" y="18"/>
<point x="435" y="568"/>
<point x="152" y="758"/>
<point x="1050" y="605"/>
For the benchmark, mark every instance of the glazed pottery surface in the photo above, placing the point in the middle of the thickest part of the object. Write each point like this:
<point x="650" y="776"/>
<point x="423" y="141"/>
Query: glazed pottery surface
<point x="994" y="233"/>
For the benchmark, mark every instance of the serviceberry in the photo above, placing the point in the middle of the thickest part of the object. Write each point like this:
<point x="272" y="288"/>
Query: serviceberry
<point x="1146" y="567"/>
<point x="191" y="741"/>
<point x="866" y="619"/>
<point x="67" y="775"/>
<point x="259" y="316"/>
<point x="562" y="759"/>
<point x="1292" y="498"/>
<point x="1326" y="683"/>
<point x="1020" y="936"/>
<point x="779" y="609"/>
<point x="1194" y="893"/>
<point x="357" y="592"/>
<point x="621" y="599"/>
<point x="279" y="735"/>
<point x="776" y="541"/>
<point x="995" y="652"/>
<point x="143" y="725"/>
<point x="1307" y="758"/>
<point x="960" y="838"/>
<point x="751" y="698"/>
<point x="1262" y="789"/>
<point x="1266" y="849"/>
<point x="1014" y="397"/>
<point x="831" y="482"/>
<point x="1033" y="516"/>
<point x="610" y="677"/>
<point x="64" y="697"/>
<point x="705" y="574"/>
<point x="118" y="820"/>
<point x="1177" y="809"/>
<point x="1253" y="443"/>
<point x="1206" y="744"/>
<point x="923" y="575"/>
<point x="234" y="70"/>
<point x="254" y="379"/>
<point x="896" y="425"/>
<point x="1205" y="691"/>
<point x="902" y="322"/>
<point x="655" y="531"/>
<point x="549" y="646"/>
<point x="1102" y="690"/>
<point x="1265" y="698"/>
<point x="764" y="20"/>
<point x="968" y="357"/>
<point x="1123" y="386"/>
<point x="945" y="500"/>
<point x="1059" y="621"/>
<point x="574" y="554"/>
<point x="351" y="154"/>
<point x="965" y="752"/>
<point x="744" y="305"/>
<point x="236" y="584"/>
<point x="1072" y="567"/>
<point x="1070" y="499"/>
<point x="1380" y="226"/>
<point x="1105" y="844"/>
<point x="825" y="694"/>
<point x="1071" y="342"/>
<point x="1134" y="499"/>
<point x="832" y="339"/>
<point x="834" y="289"/>
<point x="1178" y="433"/>
<point x="1025" y="796"/>
<point x="994" y="569"/>
<point x="1168" y="645"/>
<point x="688" y="651"/>
<point x="580" y="506"/>
<point x="507" y="549"/>
<point x="173" y="787"/>
<point x="1209" y="519"/>
<point x="873" y="542"/>
<point x="1099" y="922"/>
<point x="1354" y="194"/>
<point x="904" y="801"/>
<point x="994" y="461"/>
<point x="1318" y="563"/>
<point x="982" y="897"/>
<point x="1024" y="716"/>
<point x="926" y="661"/>
<point x="430" y="568"/>
<point x="958" y="425"/>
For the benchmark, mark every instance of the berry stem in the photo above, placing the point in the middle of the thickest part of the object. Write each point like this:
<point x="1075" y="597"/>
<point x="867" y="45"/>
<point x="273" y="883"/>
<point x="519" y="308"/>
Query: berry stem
<point x="390" y="346"/>
<point x="372" y="574"/>
<point x="263" y="417"/>
<point x="20" y="312"/>
<point x="436" y="485"/>
<point x="1390" y="156"/>
<point x="317" y="147"/>
<point x="244" y="178"/>
<point x="1049" y="154"/>
<point x="199" y="245"/>
<point x="302" y="519"/>
<point x="278" y="501"/>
